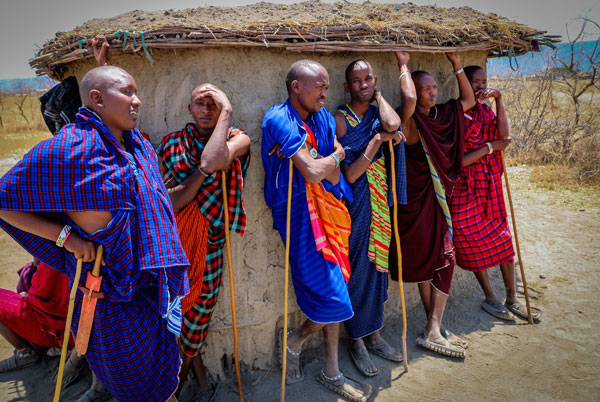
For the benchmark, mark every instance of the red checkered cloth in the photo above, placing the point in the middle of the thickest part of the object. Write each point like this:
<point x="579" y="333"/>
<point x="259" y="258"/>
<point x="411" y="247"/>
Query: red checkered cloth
<point x="40" y="316"/>
<point x="181" y="152"/>
<point x="482" y="238"/>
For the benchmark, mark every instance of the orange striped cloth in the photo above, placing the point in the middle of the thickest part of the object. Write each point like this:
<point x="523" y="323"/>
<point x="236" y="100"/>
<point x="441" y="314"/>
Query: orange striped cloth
<point x="330" y="221"/>
<point x="193" y="232"/>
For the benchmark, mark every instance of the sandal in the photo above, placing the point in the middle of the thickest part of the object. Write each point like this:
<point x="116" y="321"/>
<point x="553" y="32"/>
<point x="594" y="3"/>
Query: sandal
<point x="520" y="310"/>
<point x="71" y="371"/>
<point x="360" y="360"/>
<point x="385" y="351"/>
<point x="453" y="339"/>
<point x="20" y="359"/>
<point x="207" y="396"/>
<point x="293" y="360"/>
<point x="497" y="310"/>
<point x="442" y="346"/>
<point x="349" y="388"/>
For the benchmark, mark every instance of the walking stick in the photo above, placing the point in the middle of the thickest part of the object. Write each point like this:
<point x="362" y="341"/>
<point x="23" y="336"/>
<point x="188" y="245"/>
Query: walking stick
<point x="397" y="239"/>
<point x="232" y="291"/>
<point x="286" y="280"/>
<point x="514" y="222"/>
<point x="65" y="345"/>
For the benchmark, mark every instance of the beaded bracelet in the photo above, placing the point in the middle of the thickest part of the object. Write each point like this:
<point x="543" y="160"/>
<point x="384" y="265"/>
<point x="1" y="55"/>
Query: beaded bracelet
<point x="63" y="236"/>
<point x="335" y="158"/>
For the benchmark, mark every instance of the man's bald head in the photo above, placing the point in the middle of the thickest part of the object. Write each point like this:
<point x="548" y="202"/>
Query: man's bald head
<point x="300" y="69"/>
<point x="201" y="88"/>
<point x="360" y="63"/>
<point x="418" y="75"/>
<point x="100" y="78"/>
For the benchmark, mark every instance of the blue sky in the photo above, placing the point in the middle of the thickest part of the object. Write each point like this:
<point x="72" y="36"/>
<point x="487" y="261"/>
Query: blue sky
<point x="27" y="24"/>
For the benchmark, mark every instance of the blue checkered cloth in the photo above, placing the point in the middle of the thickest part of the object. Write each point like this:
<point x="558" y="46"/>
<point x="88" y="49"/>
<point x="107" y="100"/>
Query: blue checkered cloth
<point x="367" y="286"/>
<point x="83" y="168"/>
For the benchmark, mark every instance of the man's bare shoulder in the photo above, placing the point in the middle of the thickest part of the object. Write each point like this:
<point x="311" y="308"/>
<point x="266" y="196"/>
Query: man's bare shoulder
<point x="340" y="124"/>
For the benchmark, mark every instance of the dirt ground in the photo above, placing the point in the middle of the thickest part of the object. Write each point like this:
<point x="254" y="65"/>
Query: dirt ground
<point x="556" y="359"/>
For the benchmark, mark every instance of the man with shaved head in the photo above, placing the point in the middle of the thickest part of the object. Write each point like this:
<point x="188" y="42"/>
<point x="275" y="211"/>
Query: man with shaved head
<point x="434" y="151"/>
<point x="103" y="187"/>
<point x="302" y="131"/>
<point x="194" y="159"/>
<point x="364" y="130"/>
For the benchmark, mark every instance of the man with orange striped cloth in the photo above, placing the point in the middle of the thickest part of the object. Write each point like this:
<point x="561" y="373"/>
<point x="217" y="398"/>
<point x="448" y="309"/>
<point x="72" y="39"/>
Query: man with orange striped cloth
<point x="193" y="161"/>
<point x="302" y="131"/>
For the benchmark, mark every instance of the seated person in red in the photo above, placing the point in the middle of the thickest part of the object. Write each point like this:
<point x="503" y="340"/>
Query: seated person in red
<point x="36" y="320"/>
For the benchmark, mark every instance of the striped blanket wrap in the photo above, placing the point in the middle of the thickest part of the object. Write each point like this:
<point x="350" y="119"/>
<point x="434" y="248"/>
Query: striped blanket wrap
<point x="201" y="225"/>
<point x="84" y="168"/>
<point x="329" y="219"/>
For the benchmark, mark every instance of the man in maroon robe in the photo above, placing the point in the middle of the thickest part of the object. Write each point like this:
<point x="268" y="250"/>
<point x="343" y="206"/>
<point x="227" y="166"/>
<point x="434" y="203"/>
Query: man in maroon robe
<point x="434" y="152"/>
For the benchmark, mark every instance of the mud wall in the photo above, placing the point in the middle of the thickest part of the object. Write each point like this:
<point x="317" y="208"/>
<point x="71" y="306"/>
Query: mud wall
<point x="254" y="79"/>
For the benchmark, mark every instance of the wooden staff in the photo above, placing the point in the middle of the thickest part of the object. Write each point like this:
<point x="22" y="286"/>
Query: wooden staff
<point x="232" y="289"/>
<point x="65" y="345"/>
<point x="286" y="280"/>
<point x="514" y="222"/>
<point x="397" y="238"/>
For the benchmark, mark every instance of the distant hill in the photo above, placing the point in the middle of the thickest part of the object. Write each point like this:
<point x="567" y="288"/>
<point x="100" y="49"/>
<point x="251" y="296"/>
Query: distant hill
<point x="14" y="84"/>
<point x="535" y="62"/>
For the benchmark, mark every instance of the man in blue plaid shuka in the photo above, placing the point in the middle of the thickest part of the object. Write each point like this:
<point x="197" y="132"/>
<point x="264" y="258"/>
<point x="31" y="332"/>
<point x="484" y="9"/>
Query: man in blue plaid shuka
<point x="85" y="171"/>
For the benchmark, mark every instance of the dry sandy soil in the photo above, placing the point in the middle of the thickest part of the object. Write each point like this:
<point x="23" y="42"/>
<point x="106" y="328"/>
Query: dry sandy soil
<point x="556" y="359"/>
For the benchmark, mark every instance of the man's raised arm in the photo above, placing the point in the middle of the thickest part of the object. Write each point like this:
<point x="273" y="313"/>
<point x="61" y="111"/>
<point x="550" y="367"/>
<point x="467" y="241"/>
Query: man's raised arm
<point x="466" y="97"/>
<point x="390" y="121"/>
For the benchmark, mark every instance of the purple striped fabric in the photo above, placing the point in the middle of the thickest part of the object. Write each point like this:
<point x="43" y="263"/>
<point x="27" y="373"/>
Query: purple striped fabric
<point x="81" y="169"/>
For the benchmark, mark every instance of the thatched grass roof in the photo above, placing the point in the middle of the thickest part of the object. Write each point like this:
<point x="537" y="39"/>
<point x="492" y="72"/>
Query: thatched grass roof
<point x="310" y="26"/>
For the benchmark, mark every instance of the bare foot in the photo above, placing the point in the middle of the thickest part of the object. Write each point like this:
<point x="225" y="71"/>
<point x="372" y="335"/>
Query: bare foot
<point x="293" y="369"/>
<point x="453" y="339"/>
<point x="347" y="387"/>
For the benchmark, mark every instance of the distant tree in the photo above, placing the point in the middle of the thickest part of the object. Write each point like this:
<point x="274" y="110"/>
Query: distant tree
<point x="23" y="93"/>
<point x="577" y="75"/>
<point x="2" y="102"/>
<point x="554" y="115"/>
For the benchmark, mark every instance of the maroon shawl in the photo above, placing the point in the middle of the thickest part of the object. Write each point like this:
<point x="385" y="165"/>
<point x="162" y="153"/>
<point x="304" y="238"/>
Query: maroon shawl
<point x="444" y="138"/>
<point x="424" y="237"/>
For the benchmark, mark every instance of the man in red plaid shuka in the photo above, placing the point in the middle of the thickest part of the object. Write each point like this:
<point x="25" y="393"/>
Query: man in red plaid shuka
<point x="193" y="161"/>
<point x="482" y="238"/>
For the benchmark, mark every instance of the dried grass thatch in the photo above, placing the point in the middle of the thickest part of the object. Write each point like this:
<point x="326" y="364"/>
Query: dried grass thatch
<point x="309" y="26"/>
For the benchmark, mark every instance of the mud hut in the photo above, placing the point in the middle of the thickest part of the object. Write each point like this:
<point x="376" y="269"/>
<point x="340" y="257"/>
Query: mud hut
<point x="246" y="51"/>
